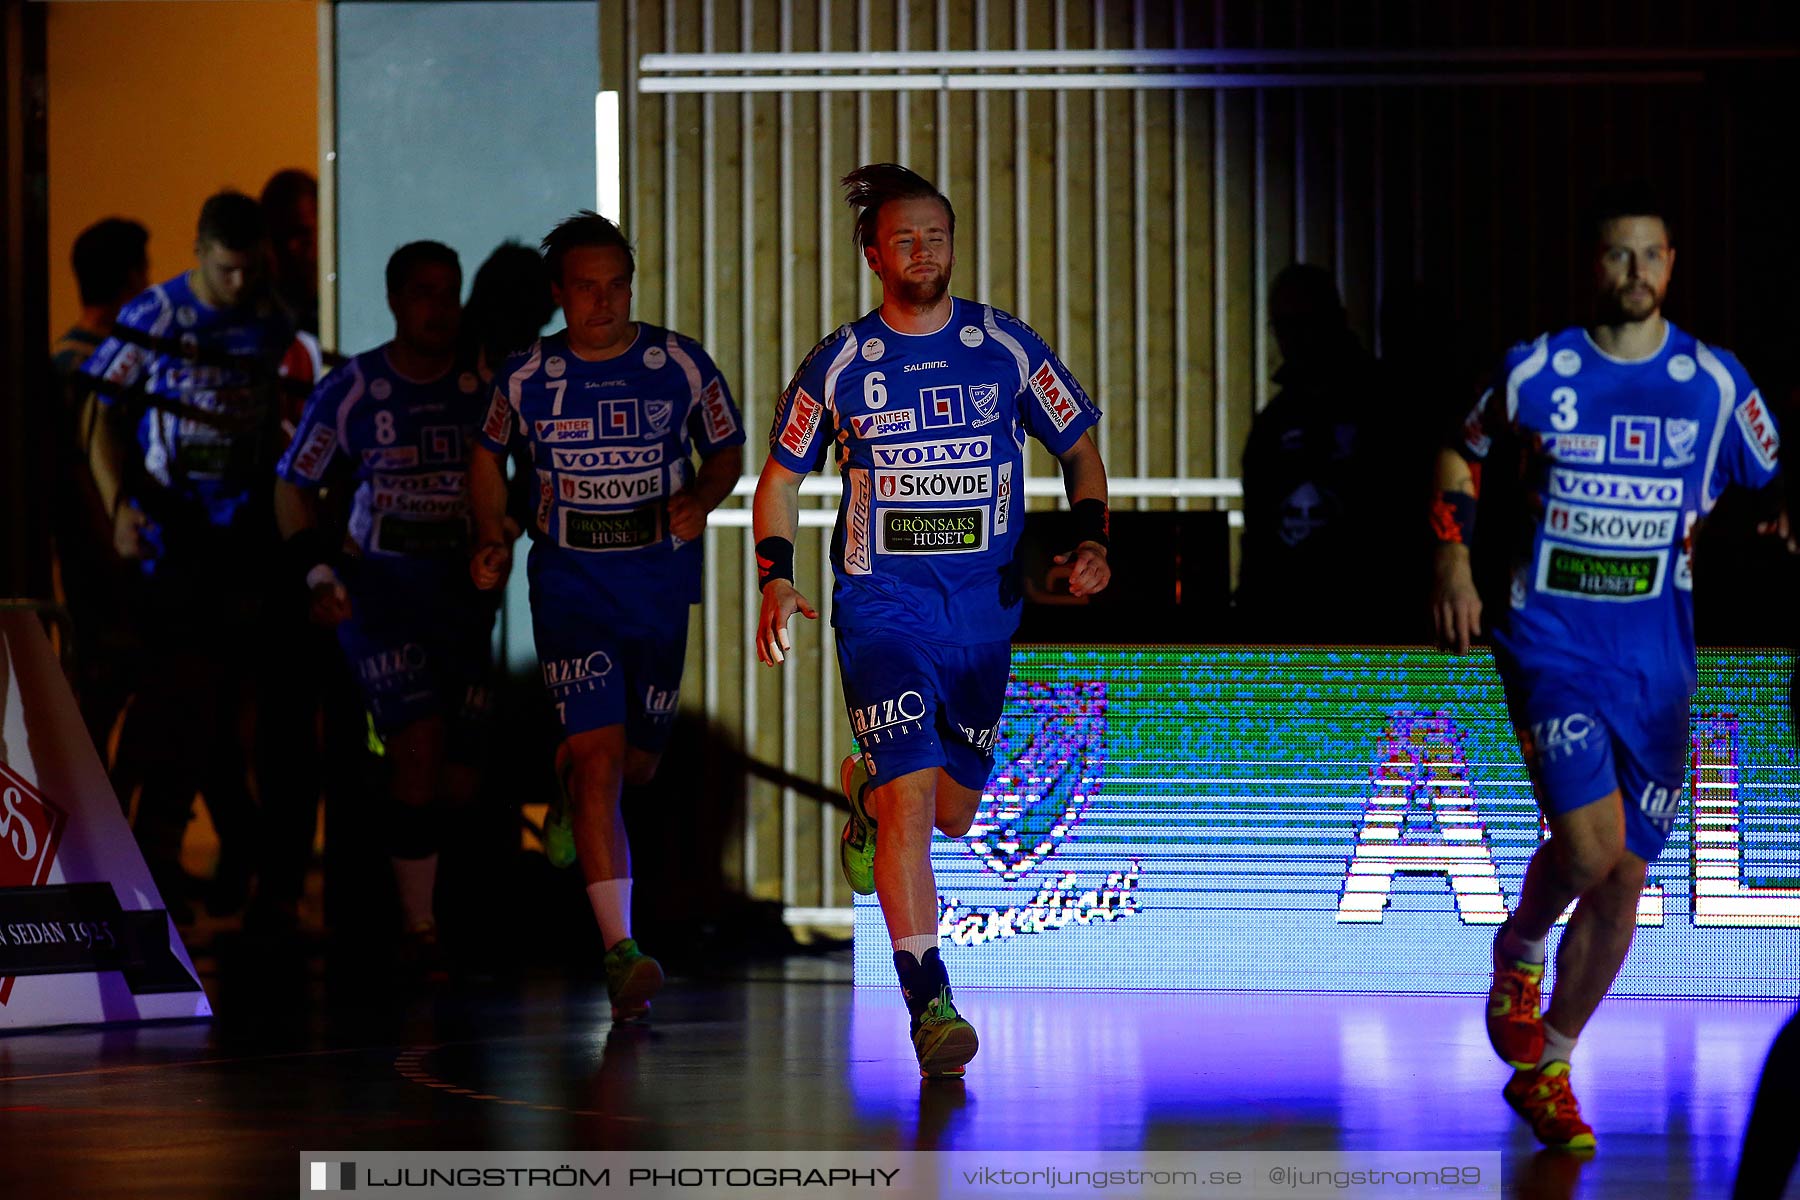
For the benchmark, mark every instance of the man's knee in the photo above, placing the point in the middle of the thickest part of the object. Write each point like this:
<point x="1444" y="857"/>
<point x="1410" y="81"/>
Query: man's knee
<point x="640" y="766"/>
<point x="956" y="807"/>
<point x="595" y="761"/>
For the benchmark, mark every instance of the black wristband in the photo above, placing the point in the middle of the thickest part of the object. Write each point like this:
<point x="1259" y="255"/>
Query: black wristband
<point x="306" y="550"/>
<point x="774" y="560"/>
<point x="1092" y="522"/>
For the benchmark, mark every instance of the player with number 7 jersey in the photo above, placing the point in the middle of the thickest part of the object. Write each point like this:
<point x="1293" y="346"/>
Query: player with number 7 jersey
<point x="612" y="412"/>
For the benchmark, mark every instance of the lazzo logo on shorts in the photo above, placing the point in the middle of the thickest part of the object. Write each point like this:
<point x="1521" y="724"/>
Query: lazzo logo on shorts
<point x="876" y="723"/>
<point x="1609" y="526"/>
<point x="1561" y="736"/>
<point x="1058" y="402"/>
<point x="1627" y="490"/>
<point x="981" y="739"/>
<point x="885" y="424"/>
<point x="1660" y="805"/>
<point x="803" y="421"/>
<point x="610" y="489"/>
<point x="565" y="429"/>
<point x="935" y="531"/>
<point x="577" y="674"/>
<point x="660" y="702"/>
<point x="1592" y="575"/>
<point x="960" y="483"/>
<point x="606" y="460"/>
<point x="385" y="665"/>
<point x="1759" y="430"/>
<point x="932" y="454"/>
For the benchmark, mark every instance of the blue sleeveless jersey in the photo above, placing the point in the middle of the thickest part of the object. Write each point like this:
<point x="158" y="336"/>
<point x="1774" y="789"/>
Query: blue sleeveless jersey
<point x="930" y="430"/>
<point x="1620" y="459"/>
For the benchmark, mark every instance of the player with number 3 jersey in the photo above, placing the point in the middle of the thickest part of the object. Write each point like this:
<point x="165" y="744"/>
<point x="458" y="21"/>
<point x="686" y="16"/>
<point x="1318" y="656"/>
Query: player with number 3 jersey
<point x="1623" y="435"/>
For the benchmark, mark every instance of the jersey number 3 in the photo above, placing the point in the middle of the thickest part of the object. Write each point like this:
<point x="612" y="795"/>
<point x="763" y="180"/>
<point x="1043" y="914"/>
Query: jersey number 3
<point x="1564" y="418"/>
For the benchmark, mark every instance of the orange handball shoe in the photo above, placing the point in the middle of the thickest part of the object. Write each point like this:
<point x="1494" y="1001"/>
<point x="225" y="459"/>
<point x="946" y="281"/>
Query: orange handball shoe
<point x="1515" y="1027"/>
<point x="1543" y="1097"/>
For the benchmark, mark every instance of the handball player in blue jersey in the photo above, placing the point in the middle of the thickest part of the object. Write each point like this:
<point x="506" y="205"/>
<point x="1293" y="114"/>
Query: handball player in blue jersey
<point x="1619" y="438"/>
<point x="185" y="434"/>
<point x="402" y="418"/>
<point x="929" y="400"/>
<point x="612" y="412"/>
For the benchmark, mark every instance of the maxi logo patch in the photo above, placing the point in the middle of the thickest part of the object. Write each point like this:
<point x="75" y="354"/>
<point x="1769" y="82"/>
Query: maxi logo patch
<point x="602" y="531"/>
<point x="942" y="406"/>
<point x="1054" y="394"/>
<point x="934" y="531"/>
<point x="1593" y="575"/>
<point x="720" y="424"/>
<point x="316" y="452"/>
<point x="1758" y="429"/>
<point x="1636" y="441"/>
<point x="803" y="421"/>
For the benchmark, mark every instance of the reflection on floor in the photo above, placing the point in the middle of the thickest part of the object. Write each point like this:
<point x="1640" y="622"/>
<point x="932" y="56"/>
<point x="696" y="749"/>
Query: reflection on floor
<point x="789" y="1056"/>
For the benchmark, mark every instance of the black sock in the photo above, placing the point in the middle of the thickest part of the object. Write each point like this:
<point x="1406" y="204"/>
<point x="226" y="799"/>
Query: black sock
<point x="920" y="981"/>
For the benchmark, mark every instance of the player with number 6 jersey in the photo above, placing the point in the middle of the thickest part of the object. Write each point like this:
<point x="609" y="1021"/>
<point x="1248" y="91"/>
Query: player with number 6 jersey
<point x="929" y="401"/>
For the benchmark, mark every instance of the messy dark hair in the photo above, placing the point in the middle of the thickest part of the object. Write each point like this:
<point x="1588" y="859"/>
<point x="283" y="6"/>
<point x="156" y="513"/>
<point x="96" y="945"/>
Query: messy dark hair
<point x="585" y="228"/>
<point x="869" y="187"/>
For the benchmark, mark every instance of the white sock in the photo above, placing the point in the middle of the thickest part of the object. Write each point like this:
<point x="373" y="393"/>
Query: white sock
<point x="1557" y="1046"/>
<point x="416" y="879"/>
<point x="1519" y="949"/>
<point x="611" y="899"/>
<point x="917" y="945"/>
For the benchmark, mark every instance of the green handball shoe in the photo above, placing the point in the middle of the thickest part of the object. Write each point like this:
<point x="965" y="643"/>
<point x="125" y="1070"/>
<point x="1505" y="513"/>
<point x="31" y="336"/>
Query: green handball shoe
<point x="559" y="831"/>
<point x="856" y="852"/>
<point x="632" y="977"/>
<point x="942" y="1039"/>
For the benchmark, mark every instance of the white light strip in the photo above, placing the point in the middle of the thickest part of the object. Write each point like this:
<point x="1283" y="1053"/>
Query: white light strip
<point x="696" y="84"/>
<point x="1119" y="486"/>
<point x="608" y="175"/>
<point x="825" y="518"/>
<point x="819" y="916"/>
<point x="950" y="60"/>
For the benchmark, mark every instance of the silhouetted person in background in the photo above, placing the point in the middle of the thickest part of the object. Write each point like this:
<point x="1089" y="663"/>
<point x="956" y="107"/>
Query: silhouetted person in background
<point x="112" y="264"/>
<point x="1306" y="471"/>
<point x="290" y="203"/>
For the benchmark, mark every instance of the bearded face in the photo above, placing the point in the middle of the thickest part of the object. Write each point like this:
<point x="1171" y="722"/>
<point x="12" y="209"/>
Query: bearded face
<point x="1633" y="268"/>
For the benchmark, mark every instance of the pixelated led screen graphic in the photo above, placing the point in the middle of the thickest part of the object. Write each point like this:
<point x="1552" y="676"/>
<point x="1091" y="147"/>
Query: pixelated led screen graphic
<point x="1331" y="820"/>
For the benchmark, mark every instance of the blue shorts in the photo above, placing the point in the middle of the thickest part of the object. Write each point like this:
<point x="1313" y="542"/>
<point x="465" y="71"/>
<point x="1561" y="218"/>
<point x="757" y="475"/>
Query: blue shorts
<point x="1585" y="734"/>
<point x="917" y="705"/>
<point x="602" y="668"/>
<point x="419" y="643"/>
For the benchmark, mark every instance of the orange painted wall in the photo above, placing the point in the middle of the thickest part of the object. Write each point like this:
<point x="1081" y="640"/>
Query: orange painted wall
<point x="156" y="104"/>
